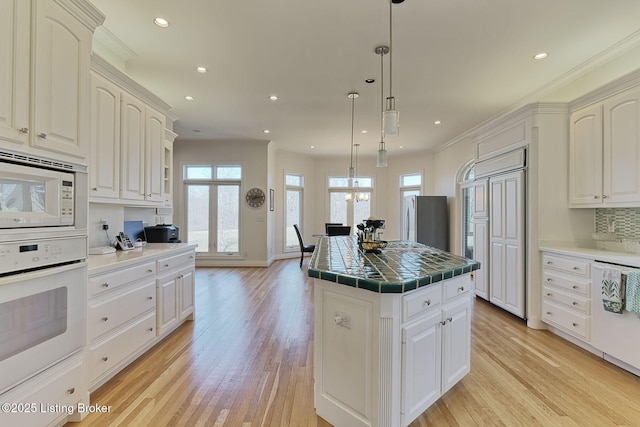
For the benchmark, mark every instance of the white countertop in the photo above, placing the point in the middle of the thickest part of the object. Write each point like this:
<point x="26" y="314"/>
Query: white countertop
<point x="593" y="254"/>
<point x="101" y="263"/>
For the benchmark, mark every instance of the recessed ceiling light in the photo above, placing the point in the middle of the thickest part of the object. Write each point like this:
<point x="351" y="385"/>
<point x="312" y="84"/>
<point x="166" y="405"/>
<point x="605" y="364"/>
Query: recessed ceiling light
<point x="266" y="131"/>
<point x="273" y="98"/>
<point x="401" y="147"/>
<point x="312" y="147"/>
<point x="189" y="98"/>
<point x="437" y="122"/>
<point x="161" y="22"/>
<point x="540" y="55"/>
<point x="364" y="131"/>
<point x="201" y="69"/>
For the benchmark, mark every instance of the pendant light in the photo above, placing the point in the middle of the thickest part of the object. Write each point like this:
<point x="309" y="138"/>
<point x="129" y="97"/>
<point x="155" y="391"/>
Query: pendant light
<point x="382" y="151"/>
<point x="352" y="96"/>
<point x="358" y="196"/>
<point x="391" y="116"/>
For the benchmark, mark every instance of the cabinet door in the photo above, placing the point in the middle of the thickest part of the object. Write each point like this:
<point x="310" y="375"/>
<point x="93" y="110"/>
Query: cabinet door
<point x="621" y="149"/>
<point x="167" y="312"/>
<point x="14" y="73"/>
<point x="585" y="157"/>
<point x="132" y="154"/>
<point x="62" y="98"/>
<point x="480" y="205"/>
<point x="186" y="293"/>
<point x="105" y="139"/>
<point x="421" y="366"/>
<point x="481" y="252"/>
<point x="154" y="156"/>
<point x="456" y="342"/>
<point x="507" y="286"/>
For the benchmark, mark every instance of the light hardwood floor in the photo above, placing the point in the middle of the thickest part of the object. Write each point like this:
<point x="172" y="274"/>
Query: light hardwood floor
<point x="247" y="361"/>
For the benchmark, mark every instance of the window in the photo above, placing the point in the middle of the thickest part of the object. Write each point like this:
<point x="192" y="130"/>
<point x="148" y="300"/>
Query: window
<point x="350" y="212"/>
<point x="466" y="177"/>
<point x="213" y="207"/>
<point x="294" y="184"/>
<point x="410" y="185"/>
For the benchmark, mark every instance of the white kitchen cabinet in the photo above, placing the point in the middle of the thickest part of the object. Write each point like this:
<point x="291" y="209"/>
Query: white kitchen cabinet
<point x="45" y="95"/>
<point x="566" y="299"/>
<point x="506" y="239"/>
<point x="175" y="290"/>
<point x="456" y="341"/>
<point x="604" y="167"/>
<point x="104" y="171"/>
<point x="142" y="151"/>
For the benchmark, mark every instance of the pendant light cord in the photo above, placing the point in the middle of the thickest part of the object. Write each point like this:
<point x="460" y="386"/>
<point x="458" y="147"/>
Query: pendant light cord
<point x="390" y="48"/>
<point x="353" y="103"/>
<point x="382" y="96"/>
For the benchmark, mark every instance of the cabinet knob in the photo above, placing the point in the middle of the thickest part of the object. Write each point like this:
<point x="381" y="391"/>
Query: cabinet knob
<point x="94" y="189"/>
<point x="574" y="287"/>
<point x="549" y="279"/>
<point x="443" y="322"/>
<point x="428" y="302"/>
<point x="104" y="319"/>
<point x="461" y="289"/>
<point x="574" y="303"/>
<point x="449" y="319"/>
<point x="576" y="268"/>
<point x="548" y="294"/>
<point x="42" y="135"/>
<point x="24" y="130"/>
<point x="604" y="196"/>
<point x="574" y="324"/>
<point x="548" y="313"/>
<point x="71" y="390"/>
<point x="149" y="298"/>
<point x="104" y="359"/>
<point x="105" y="285"/>
<point x="149" y="271"/>
<point x="166" y="265"/>
<point x="150" y="329"/>
<point x="549" y="263"/>
<point x="596" y="197"/>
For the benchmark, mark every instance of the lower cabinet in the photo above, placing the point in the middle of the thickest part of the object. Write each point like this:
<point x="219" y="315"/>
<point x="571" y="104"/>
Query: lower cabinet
<point x="436" y="350"/>
<point x="132" y="308"/>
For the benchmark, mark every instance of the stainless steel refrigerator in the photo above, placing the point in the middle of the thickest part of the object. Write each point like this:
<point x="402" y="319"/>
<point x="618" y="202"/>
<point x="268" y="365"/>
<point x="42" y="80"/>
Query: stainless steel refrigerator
<point x="426" y="220"/>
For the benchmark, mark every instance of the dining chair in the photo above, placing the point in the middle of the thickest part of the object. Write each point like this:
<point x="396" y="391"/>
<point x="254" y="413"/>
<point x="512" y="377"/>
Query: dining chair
<point x="330" y="224"/>
<point x="339" y="230"/>
<point x="303" y="248"/>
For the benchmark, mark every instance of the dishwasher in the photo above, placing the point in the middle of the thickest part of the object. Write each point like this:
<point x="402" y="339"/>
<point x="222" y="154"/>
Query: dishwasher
<point x="616" y="335"/>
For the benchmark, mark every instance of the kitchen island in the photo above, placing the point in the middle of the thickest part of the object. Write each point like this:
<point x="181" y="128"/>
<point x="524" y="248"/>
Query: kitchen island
<point x="391" y="330"/>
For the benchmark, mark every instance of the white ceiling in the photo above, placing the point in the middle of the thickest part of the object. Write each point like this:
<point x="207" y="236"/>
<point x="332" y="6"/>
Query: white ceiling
<point x="458" y="61"/>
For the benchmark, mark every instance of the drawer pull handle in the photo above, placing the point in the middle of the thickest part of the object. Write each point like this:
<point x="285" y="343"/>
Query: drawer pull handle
<point x="104" y="319"/>
<point x="549" y="279"/>
<point x="549" y="263"/>
<point x="166" y="265"/>
<point x="94" y="189"/>
<point x="604" y="196"/>
<point x="574" y="287"/>
<point x="443" y="322"/>
<point x="71" y="390"/>
<point x="549" y="313"/>
<point x="461" y="289"/>
<point x="150" y="329"/>
<point x="549" y="294"/>
<point x="596" y="197"/>
<point x="428" y="302"/>
<point x="574" y="303"/>
<point x="105" y="285"/>
<point x="24" y="130"/>
<point x="449" y="319"/>
<point x="576" y="268"/>
<point x="149" y="271"/>
<point x="104" y="359"/>
<point x="574" y="324"/>
<point x="149" y="298"/>
<point x="42" y="135"/>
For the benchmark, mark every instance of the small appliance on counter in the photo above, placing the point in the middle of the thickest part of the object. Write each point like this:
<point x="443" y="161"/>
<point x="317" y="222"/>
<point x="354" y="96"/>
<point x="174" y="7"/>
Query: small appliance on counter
<point x="162" y="234"/>
<point x="368" y="236"/>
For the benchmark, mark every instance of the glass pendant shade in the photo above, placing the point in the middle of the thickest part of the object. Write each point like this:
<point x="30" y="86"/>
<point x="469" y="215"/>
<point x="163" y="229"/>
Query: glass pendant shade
<point x="352" y="172"/>
<point x="391" y="118"/>
<point x="382" y="157"/>
<point x="348" y="197"/>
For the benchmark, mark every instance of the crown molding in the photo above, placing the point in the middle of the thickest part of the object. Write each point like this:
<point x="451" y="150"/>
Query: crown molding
<point x="114" y="44"/>
<point x="86" y="13"/>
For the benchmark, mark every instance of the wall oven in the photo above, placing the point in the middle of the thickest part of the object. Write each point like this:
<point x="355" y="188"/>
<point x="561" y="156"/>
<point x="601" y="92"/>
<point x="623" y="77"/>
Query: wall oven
<point x="42" y="305"/>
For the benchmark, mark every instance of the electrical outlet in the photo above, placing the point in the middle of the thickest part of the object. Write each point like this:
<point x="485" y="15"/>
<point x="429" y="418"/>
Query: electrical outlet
<point x="343" y="319"/>
<point x="104" y="221"/>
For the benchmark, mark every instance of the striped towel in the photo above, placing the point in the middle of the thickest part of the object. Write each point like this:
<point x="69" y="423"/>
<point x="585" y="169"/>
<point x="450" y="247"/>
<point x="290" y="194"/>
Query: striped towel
<point x="633" y="292"/>
<point x="612" y="290"/>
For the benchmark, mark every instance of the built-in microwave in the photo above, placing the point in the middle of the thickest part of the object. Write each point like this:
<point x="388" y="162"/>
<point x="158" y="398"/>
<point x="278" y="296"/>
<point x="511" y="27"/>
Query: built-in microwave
<point x="33" y="196"/>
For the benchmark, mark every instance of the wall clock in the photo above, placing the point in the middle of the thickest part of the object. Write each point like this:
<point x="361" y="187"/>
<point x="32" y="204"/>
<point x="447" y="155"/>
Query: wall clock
<point x="255" y="197"/>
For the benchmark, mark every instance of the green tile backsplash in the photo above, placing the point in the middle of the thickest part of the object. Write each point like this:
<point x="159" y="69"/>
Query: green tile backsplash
<point x="627" y="221"/>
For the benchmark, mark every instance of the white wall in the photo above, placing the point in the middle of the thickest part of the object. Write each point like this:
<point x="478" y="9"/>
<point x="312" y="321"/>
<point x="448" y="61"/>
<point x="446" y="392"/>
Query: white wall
<point x="254" y="158"/>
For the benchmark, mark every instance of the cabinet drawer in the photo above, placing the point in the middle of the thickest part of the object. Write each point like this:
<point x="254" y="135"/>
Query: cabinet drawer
<point x="569" y="265"/>
<point x="416" y="303"/>
<point x="105" y="282"/>
<point x="108" y="354"/>
<point x="575" y="302"/>
<point x="106" y="315"/>
<point x="169" y="263"/>
<point x="59" y="385"/>
<point x="573" y="284"/>
<point x="457" y="286"/>
<point x="567" y="319"/>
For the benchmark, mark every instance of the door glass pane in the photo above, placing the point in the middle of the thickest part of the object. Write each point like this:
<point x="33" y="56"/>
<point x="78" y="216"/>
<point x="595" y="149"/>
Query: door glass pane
<point x="198" y="216"/>
<point x="198" y="172"/>
<point x="361" y="210"/>
<point x="294" y="199"/>
<point x="410" y="180"/>
<point x="228" y="218"/>
<point x="228" y="172"/>
<point x="467" y="221"/>
<point x="338" y="182"/>
<point x="338" y="207"/>
<point x="293" y="180"/>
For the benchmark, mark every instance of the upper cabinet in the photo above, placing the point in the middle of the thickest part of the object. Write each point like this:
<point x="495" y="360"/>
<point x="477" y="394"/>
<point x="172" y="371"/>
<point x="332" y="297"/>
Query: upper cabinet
<point x="44" y="77"/>
<point x="604" y="160"/>
<point x="130" y="158"/>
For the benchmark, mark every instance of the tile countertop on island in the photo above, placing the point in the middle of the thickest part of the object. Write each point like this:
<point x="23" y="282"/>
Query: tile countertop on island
<point x="401" y="267"/>
<point x="100" y="263"/>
